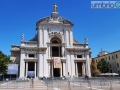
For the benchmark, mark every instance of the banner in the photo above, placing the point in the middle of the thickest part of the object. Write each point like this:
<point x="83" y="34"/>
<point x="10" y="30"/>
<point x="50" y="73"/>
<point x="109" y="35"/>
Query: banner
<point x="57" y="62"/>
<point x="31" y="73"/>
<point x="12" y="69"/>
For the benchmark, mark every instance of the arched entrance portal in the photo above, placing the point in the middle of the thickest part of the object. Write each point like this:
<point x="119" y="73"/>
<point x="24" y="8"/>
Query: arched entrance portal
<point x="56" y="52"/>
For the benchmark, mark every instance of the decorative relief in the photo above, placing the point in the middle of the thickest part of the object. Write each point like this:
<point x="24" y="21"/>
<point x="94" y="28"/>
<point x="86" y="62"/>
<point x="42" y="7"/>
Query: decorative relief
<point x="31" y="44"/>
<point x="76" y="52"/>
<point x="42" y="52"/>
<point x="41" y="28"/>
<point x="56" y="34"/>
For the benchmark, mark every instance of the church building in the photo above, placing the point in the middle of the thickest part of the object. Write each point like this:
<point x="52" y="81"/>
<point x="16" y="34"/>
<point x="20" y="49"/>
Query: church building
<point x="53" y="51"/>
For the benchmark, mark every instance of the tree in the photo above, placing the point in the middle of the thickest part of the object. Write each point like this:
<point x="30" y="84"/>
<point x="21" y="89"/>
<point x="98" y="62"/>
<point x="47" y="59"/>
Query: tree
<point x="4" y="61"/>
<point x="103" y="66"/>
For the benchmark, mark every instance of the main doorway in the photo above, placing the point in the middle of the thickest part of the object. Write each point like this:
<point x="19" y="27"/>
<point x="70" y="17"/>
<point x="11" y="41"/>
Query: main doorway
<point x="31" y="70"/>
<point x="56" y="72"/>
<point x="55" y="52"/>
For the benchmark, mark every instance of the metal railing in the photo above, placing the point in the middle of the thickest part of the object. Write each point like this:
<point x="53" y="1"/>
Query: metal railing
<point x="52" y="83"/>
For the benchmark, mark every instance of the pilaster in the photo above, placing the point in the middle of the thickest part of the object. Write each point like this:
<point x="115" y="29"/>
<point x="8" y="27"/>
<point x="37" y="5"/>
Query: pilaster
<point x="88" y="65"/>
<point x="45" y="63"/>
<point x="68" y="65"/>
<point x="35" y="69"/>
<point x="40" y="37"/>
<point x="64" y="73"/>
<point x="22" y="64"/>
<point x="26" y="69"/>
<point x="72" y="65"/>
<point x="71" y="38"/>
<point x="40" y="63"/>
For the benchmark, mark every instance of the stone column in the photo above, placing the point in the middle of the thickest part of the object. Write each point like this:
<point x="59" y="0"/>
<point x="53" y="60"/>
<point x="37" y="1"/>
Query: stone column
<point x="48" y="51"/>
<point x="83" y="68"/>
<point x="64" y="69"/>
<point x="40" y="63"/>
<point x="61" y="69"/>
<point x="59" y="52"/>
<point x="71" y="38"/>
<point x="27" y="55"/>
<point x="72" y="66"/>
<point x="68" y="65"/>
<point x="45" y="65"/>
<point x="35" y="69"/>
<point x="88" y="66"/>
<point x="48" y="69"/>
<point x="67" y="38"/>
<point x="52" y="68"/>
<point x="26" y="69"/>
<point x="63" y="51"/>
<point x="76" y="69"/>
<point x="40" y="37"/>
<point x="22" y="65"/>
<point x="45" y="36"/>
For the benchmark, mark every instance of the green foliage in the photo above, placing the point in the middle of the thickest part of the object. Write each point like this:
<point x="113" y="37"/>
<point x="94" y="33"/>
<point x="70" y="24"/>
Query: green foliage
<point x="4" y="60"/>
<point x="103" y="66"/>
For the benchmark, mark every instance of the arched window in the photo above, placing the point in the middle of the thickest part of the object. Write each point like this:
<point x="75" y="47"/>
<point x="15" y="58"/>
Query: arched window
<point x="55" y="41"/>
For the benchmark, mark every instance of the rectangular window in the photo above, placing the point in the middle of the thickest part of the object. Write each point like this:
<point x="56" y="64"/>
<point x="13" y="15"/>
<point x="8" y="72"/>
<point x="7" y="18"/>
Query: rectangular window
<point x="109" y="57"/>
<point x="116" y="56"/>
<point x="117" y="64"/>
<point x="106" y="58"/>
<point x="79" y="56"/>
<point x="110" y="71"/>
<point x="110" y="65"/>
<point x="31" y="55"/>
<point x="112" y="57"/>
<point x="118" y="71"/>
<point x="92" y="60"/>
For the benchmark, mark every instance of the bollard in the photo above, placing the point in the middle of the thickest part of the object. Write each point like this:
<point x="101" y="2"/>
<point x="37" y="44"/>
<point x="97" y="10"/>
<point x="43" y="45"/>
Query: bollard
<point x="80" y="84"/>
<point x="32" y="83"/>
<point x="69" y="85"/>
<point x="73" y="83"/>
<point x="52" y="83"/>
<point x="89" y="85"/>
<point x="101" y="84"/>
<point x="14" y="85"/>
<point x="58" y="83"/>
<point x="111" y="85"/>
<point x="7" y="82"/>
<point x="119" y="81"/>
<point x="47" y="84"/>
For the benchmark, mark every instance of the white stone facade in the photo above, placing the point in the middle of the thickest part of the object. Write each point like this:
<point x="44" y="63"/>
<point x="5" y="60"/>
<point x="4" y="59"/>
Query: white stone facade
<point x="54" y="38"/>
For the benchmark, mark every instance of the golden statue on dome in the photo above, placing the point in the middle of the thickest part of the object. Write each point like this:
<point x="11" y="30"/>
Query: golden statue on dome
<point x="55" y="8"/>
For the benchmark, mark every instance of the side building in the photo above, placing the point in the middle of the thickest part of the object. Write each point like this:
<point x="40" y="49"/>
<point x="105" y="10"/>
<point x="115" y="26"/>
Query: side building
<point x="114" y="62"/>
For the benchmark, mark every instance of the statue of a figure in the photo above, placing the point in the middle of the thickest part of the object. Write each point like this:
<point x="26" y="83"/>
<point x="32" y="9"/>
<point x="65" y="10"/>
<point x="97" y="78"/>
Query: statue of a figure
<point x="22" y="37"/>
<point x="86" y="40"/>
<point x="55" y="8"/>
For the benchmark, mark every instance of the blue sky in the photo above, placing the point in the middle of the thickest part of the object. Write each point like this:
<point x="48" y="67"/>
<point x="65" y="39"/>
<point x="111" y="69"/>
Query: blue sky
<point x="101" y="26"/>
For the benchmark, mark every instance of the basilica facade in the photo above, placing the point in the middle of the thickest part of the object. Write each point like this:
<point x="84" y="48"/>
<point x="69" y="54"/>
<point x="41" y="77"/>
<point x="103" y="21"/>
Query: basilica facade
<point x="53" y="51"/>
